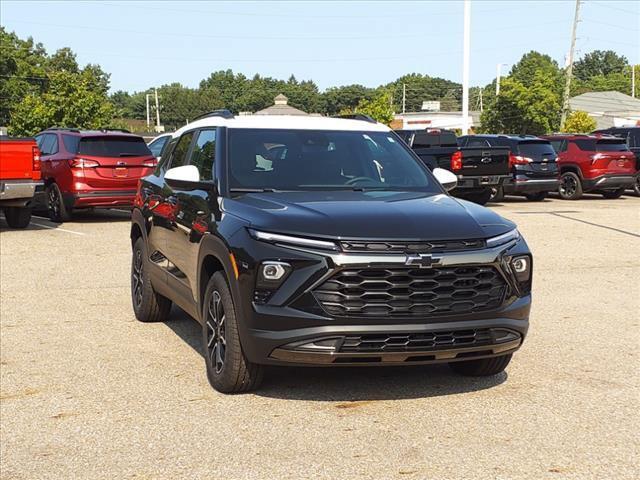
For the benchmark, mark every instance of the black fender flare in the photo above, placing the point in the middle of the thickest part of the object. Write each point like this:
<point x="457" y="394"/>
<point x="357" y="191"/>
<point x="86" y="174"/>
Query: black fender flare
<point x="572" y="166"/>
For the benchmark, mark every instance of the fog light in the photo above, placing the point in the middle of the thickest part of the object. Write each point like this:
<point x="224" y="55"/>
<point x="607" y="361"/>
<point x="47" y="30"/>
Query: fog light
<point x="520" y="265"/>
<point x="273" y="271"/>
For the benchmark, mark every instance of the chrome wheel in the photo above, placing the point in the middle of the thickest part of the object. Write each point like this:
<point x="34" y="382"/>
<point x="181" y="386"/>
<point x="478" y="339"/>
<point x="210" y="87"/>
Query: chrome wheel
<point x="137" y="278"/>
<point x="216" y="341"/>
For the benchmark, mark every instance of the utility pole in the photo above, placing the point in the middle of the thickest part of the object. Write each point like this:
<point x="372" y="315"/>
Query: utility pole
<point x="404" y="97"/>
<point x="157" y="110"/>
<point x="498" y="75"/>
<point x="633" y="81"/>
<point x="148" y="114"/>
<point x="567" y="85"/>
<point x="481" y="109"/>
<point x="465" y="66"/>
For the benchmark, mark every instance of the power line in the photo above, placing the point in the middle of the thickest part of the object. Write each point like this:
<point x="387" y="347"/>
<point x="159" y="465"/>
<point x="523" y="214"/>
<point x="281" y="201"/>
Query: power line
<point x="610" y="7"/>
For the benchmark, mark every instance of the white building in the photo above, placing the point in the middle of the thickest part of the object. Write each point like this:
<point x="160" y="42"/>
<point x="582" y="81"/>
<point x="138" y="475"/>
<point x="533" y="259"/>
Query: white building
<point x="609" y="109"/>
<point x="426" y="119"/>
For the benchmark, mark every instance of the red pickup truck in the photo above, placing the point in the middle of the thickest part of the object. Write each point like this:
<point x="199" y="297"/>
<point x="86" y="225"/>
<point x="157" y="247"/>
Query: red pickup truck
<point x="19" y="179"/>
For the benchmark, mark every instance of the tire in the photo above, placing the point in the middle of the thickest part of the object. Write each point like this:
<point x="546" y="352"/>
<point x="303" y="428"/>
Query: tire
<point x="483" y="367"/>
<point x="636" y="186"/>
<point x="228" y="370"/>
<point x="481" y="198"/>
<point x="613" y="194"/>
<point x="497" y="194"/>
<point x="58" y="211"/>
<point x="148" y="305"/>
<point x="536" y="197"/>
<point x="570" y="186"/>
<point x="18" y="217"/>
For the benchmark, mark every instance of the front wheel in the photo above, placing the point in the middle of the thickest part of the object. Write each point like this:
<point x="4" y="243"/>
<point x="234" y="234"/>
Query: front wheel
<point x="613" y="194"/>
<point x="636" y="186"/>
<point x="17" y="217"/>
<point x="570" y="186"/>
<point x="228" y="370"/>
<point x="483" y="367"/>
<point x="148" y="305"/>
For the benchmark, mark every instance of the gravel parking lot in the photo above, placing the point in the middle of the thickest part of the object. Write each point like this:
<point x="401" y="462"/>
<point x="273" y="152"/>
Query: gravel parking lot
<point x="88" y="392"/>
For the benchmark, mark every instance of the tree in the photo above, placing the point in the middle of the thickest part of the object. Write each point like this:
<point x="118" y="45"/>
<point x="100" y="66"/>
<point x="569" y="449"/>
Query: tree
<point x="579" y="122"/>
<point x="346" y="98"/>
<point x="379" y="108"/>
<point x="599" y="62"/>
<point x="419" y="87"/>
<point x="518" y="109"/>
<point x="534" y="63"/>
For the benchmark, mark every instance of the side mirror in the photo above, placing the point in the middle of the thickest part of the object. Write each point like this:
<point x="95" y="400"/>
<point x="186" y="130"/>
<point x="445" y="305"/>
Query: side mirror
<point x="448" y="179"/>
<point x="186" y="177"/>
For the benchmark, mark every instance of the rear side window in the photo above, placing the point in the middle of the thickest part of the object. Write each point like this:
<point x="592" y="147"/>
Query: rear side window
<point x="611" y="146"/>
<point x="48" y="144"/>
<point x="536" y="149"/>
<point x="203" y="153"/>
<point x="157" y="145"/>
<point x="71" y="143"/>
<point x="559" y="145"/>
<point x="179" y="156"/>
<point x="586" y="144"/>
<point x="113" y="146"/>
<point x="634" y="138"/>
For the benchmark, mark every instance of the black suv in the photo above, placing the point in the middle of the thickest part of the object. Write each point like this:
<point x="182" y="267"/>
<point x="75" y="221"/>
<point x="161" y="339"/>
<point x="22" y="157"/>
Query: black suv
<point x="533" y="162"/>
<point x="321" y="241"/>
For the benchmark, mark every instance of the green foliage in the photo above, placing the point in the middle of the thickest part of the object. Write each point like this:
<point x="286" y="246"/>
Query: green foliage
<point x="599" y="63"/>
<point x="379" y="108"/>
<point x="346" y="98"/>
<point x="534" y="63"/>
<point x="579" y="122"/>
<point x="420" y="87"/>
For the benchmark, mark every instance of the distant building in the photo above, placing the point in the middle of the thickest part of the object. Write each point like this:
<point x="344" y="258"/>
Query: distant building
<point x="280" y="107"/>
<point x="609" y="109"/>
<point x="425" y="119"/>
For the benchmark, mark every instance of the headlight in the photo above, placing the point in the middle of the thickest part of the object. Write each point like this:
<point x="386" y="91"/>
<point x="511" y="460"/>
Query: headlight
<point x="279" y="239"/>
<point x="504" y="238"/>
<point x="522" y="268"/>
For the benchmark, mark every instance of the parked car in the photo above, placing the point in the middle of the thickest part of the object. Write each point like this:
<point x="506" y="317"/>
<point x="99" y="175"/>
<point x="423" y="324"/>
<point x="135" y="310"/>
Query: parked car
<point x="534" y="170"/>
<point x="593" y="163"/>
<point x="157" y="144"/>
<point x="19" y="179"/>
<point x="479" y="169"/>
<point x="632" y="137"/>
<point x="323" y="241"/>
<point x="91" y="169"/>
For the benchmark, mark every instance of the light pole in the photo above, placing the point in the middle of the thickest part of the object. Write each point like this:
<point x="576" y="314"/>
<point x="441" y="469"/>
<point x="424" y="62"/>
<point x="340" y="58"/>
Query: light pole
<point x="498" y="75"/>
<point x="465" y="66"/>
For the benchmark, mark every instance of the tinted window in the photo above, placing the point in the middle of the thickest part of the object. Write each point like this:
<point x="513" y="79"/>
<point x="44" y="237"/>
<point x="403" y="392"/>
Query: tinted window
<point x="536" y="149"/>
<point x="113" y="146"/>
<point x="48" y="144"/>
<point x="71" y="143"/>
<point x="611" y="146"/>
<point x="179" y="156"/>
<point x="559" y="145"/>
<point x="585" y="144"/>
<point x="156" y="145"/>
<point x="203" y="153"/>
<point x="325" y="160"/>
<point x="434" y="139"/>
<point x="477" y="142"/>
<point x="634" y="137"/>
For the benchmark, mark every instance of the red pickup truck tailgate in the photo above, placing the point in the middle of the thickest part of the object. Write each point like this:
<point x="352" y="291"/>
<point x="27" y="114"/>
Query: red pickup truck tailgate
<point x="17" y="159"/>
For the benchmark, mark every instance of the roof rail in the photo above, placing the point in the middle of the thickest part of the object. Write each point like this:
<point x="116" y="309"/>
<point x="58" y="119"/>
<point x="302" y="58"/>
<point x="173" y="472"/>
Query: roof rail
<point x="66" y="129"/>
<point x="223" y="112"/>
<point x="356" y="116"/>
<point x="123" y="130"/>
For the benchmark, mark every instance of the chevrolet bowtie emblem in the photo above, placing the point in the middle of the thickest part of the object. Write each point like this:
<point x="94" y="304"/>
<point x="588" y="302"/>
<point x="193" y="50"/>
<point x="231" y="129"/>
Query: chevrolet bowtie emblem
<point x="421" y="260"/>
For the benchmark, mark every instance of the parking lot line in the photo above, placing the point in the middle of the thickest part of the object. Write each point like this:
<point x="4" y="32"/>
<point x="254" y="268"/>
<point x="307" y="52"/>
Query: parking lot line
<point x="58" y="229"/>
<point x="595" y="224"/>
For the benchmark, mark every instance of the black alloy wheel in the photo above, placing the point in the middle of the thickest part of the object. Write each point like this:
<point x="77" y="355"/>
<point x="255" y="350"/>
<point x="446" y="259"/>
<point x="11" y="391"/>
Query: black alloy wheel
<point x="570" y="187"/>
<point x="55" y="204"/>
<point x="636" y="186"/>
<point x="148" y="305"/>
<point x="137" y="278"/>
<point x="215" y="324"/>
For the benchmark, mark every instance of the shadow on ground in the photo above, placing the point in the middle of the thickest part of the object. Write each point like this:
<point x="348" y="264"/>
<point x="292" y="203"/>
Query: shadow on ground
<point x="348" y="384"/>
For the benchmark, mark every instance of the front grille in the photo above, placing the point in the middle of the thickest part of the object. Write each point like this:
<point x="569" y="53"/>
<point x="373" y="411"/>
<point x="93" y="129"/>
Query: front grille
<point x="416" y="341"/>
<point x="412" y="247"/>
<point x="405" y="291"/>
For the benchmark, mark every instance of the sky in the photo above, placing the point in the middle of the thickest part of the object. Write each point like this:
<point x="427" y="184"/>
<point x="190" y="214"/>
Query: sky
<point x="150" y="43"/>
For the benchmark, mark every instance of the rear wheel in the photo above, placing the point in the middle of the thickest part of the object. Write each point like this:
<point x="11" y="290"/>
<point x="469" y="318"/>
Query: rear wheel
<point x="497" y="194"/>
<point x="483" y="367"/>
<point x="228" y="370"/>
<point x="613" y="194"/>
<point x="18" y="217"/>
<point x="636" y="186"/>
<point x="570" y="186"/>
<point x="58" y="211"/>
<point x="481" y="198"/>
<point x="148" y="305"/>
<point x="536" y="197"/>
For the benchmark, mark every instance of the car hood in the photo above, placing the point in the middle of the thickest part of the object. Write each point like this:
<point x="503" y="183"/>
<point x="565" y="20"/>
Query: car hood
<point x="371" y="215"/>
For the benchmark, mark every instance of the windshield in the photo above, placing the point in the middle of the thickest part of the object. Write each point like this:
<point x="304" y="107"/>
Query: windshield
<point x="262" y="159"/>
<point x="111" y="146"/>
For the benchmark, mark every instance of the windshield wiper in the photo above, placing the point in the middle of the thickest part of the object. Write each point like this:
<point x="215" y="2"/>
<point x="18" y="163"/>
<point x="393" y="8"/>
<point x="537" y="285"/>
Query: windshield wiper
<point x="253" y="190"/>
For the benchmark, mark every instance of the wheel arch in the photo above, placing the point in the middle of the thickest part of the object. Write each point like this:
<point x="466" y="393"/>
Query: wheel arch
<point x="572" y="167"/>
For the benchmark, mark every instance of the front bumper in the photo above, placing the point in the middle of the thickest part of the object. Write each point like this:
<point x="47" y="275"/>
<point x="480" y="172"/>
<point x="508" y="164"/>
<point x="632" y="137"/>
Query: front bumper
<point x="287" y="330"/>
<point x="522" y="184"/>
<point x="608" y="181"/>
